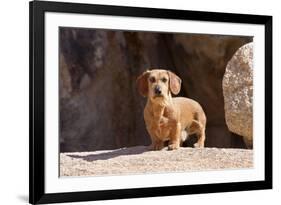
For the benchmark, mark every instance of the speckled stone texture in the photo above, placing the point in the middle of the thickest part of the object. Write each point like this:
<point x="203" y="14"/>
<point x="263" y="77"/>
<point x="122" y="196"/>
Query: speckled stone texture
<point x="238" y="93"/>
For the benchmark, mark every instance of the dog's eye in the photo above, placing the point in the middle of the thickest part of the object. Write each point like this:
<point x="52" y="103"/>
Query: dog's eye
<point x="152" y="80"/>
<point x="164" y="80"/>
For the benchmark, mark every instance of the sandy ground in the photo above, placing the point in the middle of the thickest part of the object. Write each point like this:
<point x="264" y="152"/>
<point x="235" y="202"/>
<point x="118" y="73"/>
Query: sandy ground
<point x="137" y="160"/>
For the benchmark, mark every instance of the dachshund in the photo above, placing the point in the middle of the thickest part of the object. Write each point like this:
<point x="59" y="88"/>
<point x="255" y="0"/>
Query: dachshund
<point x="169" y="118"/>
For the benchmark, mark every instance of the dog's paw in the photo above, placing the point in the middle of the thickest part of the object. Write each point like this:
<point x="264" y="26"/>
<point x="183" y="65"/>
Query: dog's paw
<point x="150" y="147"/>
<point x="156" y="146"/>
<point x="198" y="145"/>
<point x="173" y="147"/>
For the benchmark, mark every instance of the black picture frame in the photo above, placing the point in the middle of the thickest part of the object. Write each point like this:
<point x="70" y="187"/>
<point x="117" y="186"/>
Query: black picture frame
<point x="37" y="9"/>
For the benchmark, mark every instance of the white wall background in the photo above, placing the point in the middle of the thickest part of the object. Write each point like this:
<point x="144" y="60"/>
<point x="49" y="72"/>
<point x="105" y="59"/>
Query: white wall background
<point x="14" y="43"/>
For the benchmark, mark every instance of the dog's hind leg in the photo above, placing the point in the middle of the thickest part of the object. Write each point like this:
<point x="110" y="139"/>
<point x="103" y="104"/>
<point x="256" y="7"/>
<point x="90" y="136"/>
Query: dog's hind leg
<point x="197" y="128"/>
<point x="201" y="139"/>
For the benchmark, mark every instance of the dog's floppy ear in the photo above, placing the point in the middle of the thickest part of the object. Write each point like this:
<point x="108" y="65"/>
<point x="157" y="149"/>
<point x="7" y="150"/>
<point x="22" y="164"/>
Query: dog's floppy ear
<point x="142" y="83"/>
<point x="175" y="83"/>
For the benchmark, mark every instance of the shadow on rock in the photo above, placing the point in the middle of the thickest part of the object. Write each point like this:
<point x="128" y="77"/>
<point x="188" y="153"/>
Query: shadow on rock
<point x="112" y="154"/>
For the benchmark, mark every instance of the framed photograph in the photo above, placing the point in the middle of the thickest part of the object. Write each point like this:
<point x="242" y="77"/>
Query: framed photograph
<point x="130" y="102"/>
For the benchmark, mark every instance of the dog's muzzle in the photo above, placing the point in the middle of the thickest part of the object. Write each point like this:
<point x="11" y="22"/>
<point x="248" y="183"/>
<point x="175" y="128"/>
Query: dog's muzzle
<point x="157" y="90"/>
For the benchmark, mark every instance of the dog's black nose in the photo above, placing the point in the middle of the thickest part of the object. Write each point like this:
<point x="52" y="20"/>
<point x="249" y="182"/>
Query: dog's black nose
<point x="157" y="90"/>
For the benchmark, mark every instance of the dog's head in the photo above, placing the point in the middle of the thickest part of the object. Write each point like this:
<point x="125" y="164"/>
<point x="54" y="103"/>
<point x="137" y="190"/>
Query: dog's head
<point x="158" y="84"/>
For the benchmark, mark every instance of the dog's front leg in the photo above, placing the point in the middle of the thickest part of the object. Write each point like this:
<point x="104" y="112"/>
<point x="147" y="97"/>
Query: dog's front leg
<point x="175" y="136"/>
<point x="156" y="143"/>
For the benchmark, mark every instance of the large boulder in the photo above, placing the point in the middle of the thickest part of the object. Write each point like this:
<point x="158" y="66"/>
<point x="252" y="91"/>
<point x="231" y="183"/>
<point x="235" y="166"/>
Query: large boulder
<point x="100" y="107"/>
<point x="238" y="93"/>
